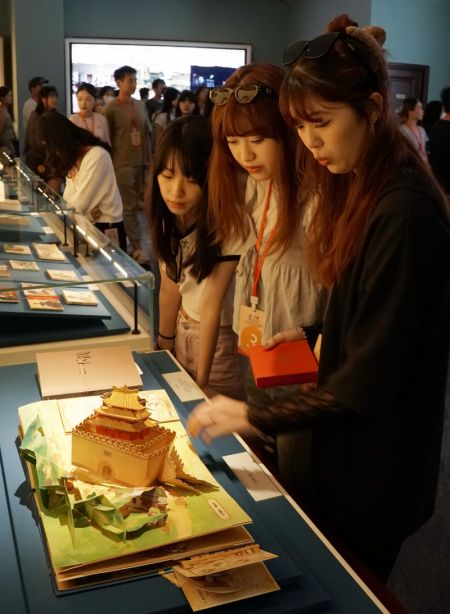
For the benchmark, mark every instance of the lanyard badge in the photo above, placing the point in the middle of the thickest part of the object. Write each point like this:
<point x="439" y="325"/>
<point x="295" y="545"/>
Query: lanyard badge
<point x="251" y="319"/>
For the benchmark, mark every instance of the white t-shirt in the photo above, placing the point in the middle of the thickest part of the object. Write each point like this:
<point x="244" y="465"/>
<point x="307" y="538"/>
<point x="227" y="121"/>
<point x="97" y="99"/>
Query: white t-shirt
<point x="94" y="184"/>
<point x="97" y="124"/>
<point x="191" y="291"/>
<point x="28" y="108"/>
<point x="287" y="293"/>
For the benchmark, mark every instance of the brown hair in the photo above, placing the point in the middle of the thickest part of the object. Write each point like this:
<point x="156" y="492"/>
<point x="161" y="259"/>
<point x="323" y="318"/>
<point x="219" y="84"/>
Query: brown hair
<point x="261" y="116"/>
<point x="347" y="73"/>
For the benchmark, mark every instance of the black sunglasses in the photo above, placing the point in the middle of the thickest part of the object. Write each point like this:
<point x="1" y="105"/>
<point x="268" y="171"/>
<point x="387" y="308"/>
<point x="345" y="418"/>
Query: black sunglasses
<point x="313" y="50"/>
<point x="243" y="94"/>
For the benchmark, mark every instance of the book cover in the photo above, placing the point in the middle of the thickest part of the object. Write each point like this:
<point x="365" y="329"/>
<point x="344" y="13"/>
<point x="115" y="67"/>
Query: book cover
<point x="14" y="220"/>
<point x="7" y="295"/>
<point x="62" y="275"/>
<point x="23" y="265"/>
<point x="79" y="297"/>
<point x="4" y="271"/>
<point x="291" y="362"/>
<point x="43" y="298"/>
<point x="16" y="249"/>
<point x="48" y="251"/>
<point x="81" y="372"/>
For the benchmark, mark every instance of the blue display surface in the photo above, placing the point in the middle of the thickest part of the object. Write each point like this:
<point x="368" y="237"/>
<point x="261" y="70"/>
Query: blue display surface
<point x="46" y="328"/>
<point x="25" y="234"/>
<point x="312" y="578"/>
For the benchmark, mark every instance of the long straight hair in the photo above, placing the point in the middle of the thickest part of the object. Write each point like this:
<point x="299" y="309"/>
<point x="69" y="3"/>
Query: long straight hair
<point x="226" y="177"/>
<point x="64" y="142"/>
<point x="344" y="203"/>
<point x="187" y="142"/>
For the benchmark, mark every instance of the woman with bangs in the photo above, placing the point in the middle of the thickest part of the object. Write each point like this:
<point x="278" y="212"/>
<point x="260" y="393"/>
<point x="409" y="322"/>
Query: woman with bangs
<point x="253" y="201"/>
<point x="195" y="299"/>
<point x="379" y="239"/>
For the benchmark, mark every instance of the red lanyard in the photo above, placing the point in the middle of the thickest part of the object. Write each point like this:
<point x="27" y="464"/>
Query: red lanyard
<point x="259" y="261"/>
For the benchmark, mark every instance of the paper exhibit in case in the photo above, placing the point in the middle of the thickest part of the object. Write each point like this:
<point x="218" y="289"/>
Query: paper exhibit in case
<point x="48" y="251"/>
<point x="200" y="521"/>
<point x="43" y="298"/>
<point x="10" y="248"/>
<point x="82" y="372"/>
<point x="62" y="275"/>
<point x="79" y="297"/>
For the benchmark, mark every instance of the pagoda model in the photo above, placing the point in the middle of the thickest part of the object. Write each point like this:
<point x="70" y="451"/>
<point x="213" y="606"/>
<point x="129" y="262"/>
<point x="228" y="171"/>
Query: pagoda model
<point x="119" y="444"/>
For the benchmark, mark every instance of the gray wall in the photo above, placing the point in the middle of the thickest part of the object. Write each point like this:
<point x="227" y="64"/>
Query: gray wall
<point x="262" y="23"/>
<point x="417" y="29"/>
<point x="418" y="32"/>
<point x="309" y="18"/>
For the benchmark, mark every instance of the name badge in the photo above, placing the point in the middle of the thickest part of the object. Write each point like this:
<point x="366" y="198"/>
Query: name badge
<point x="135" y="137"/>
<point x="251" y="328"/>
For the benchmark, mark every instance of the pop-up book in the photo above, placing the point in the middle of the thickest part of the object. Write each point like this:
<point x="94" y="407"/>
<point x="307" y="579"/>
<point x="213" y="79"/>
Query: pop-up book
<point x="120" y="494"/>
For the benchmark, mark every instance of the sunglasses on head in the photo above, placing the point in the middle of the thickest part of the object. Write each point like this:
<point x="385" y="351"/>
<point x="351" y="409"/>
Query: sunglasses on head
<point x="243" y="94"/>
<point x="313" y="50"/>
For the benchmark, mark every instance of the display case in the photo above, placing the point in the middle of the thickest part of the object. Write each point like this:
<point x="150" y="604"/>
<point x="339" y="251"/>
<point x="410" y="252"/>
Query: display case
<point x="62" y="281"/>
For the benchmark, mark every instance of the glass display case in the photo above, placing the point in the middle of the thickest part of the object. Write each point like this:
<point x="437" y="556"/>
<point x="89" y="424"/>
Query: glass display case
<point x="61" y="279"/>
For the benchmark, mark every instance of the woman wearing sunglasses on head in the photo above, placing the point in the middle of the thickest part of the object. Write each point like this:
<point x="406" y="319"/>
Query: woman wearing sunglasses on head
<point x="379" y="238"/>
<point x="253" y="198"/>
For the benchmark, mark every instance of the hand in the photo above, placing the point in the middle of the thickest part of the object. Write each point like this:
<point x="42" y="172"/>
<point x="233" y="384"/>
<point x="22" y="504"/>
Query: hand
<point x="286" y="335"/>
<point x="220" y="416"/>
<point x="165" y="344"/>
<point x="95" y="213"/>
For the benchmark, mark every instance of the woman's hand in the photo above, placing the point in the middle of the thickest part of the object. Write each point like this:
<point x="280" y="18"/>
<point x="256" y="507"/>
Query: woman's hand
<point x="95" y="213"/>
<point x="220" y="416"/>
<point x="286" y="335"/>
<point x="165" y="344"/>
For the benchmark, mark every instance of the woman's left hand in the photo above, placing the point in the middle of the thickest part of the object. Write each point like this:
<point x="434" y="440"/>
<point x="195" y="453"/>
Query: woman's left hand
<point x="221" y="416"/>
<point x="95" y="213"/>
<point x="286" y="335"/>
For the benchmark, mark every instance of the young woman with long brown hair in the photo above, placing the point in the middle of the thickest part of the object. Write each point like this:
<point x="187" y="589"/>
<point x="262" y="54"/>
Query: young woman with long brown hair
<point x="253" y="200"/>
<point x="379" y="238"/>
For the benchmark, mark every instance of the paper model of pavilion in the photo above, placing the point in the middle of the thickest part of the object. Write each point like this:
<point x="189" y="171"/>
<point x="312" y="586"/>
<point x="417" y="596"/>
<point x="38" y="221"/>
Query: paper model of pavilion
<point x="119" y="444"/>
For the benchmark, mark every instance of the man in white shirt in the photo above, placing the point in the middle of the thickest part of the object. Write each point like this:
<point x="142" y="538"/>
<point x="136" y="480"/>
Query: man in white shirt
<point x="34" y="85"/>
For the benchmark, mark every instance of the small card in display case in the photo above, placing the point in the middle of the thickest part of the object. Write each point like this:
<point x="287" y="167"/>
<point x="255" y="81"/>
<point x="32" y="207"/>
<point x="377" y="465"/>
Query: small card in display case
<point x="4" y="271"/>
<point x="48" y="251"/>
<point x="24" y="250"/>
<point x="7" y="295"/>
<point x="23" y="265"/>
<point x="62" y="275"/>
<point x="43" y="298"/>
<point x="79" y="297"/>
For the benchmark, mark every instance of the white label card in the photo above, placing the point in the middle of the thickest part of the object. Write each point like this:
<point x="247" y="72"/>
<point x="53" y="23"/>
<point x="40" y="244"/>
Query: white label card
<point x="250" y="474"/>
<point x="183" y="386"/>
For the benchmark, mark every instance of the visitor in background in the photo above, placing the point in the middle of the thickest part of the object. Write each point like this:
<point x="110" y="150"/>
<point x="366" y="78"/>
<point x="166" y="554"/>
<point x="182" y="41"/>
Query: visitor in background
<point x="162" y="118"/>
<point x="411" y="114"/>
<point x="35" y="149"/>
<point x="129" y="129"/>
<point x="8" y="139"/>
<point x="84" y="160"/>
<point x="187" y="104"/>
<point x="34" y="86"/>
<point x="204" y="103"/>
<point x="86" y="117"/>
